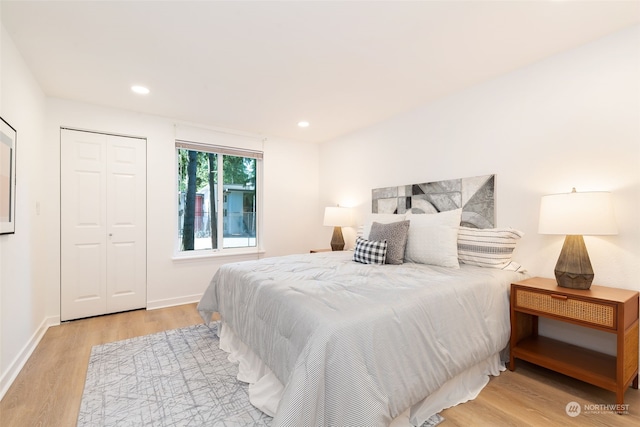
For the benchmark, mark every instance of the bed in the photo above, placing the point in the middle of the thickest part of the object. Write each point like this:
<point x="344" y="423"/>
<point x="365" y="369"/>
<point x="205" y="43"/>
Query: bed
<point x="327" y="341"/>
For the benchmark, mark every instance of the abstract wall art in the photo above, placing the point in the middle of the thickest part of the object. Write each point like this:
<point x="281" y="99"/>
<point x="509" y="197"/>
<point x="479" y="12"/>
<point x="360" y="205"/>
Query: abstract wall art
<point x="474" y="195"/>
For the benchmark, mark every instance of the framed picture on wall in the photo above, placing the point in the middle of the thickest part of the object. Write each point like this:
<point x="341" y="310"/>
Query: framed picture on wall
<point x="8" y="137"/>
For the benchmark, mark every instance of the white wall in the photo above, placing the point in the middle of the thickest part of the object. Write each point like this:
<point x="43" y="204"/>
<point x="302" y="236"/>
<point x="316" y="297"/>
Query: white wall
<point x="572" y="120"/>
<point x="22" y="266"/>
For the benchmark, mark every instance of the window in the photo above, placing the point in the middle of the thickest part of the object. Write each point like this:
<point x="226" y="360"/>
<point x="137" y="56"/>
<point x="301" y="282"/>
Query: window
<point x="217" y="197"/>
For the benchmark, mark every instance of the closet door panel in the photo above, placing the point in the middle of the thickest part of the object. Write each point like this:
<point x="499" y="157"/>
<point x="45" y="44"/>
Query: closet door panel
<point x="82" y="225"/>
<point x="126" y="223"/>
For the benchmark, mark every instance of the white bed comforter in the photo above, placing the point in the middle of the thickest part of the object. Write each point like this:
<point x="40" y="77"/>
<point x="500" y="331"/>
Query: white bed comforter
<point x="355" y="344"/>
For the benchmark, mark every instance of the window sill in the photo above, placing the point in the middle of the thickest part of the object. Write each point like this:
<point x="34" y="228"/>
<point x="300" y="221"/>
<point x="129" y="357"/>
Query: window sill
<point x="208" y="254"/>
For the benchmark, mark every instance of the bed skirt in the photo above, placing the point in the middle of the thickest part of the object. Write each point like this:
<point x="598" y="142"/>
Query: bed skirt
<point x="265" y="390"/>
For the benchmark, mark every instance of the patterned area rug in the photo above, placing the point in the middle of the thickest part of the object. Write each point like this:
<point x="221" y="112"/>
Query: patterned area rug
<point x="169" y="379"/>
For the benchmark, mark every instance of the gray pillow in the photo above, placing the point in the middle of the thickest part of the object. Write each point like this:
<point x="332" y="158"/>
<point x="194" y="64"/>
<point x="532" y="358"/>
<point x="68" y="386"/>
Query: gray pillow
<point x="395" y="234"/>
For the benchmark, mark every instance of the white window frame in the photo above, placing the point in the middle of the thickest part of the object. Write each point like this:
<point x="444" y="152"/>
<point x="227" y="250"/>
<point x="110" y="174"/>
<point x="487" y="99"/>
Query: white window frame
<point x="220" y="150"/>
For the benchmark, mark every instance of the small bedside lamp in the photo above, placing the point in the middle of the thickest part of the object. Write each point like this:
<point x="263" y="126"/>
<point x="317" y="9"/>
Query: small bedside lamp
<point x="337" y="218"/>
<point x="576" y="214"/>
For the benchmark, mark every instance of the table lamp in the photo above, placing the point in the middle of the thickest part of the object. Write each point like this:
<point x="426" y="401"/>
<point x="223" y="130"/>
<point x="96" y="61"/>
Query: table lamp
<point x="574" y="215"/>
<point x="337" y="217"/>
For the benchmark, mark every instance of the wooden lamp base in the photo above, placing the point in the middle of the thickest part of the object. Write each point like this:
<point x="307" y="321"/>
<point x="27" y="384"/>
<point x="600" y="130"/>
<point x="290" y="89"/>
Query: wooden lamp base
<point x="573" y="269"/>
<point x="337" y="241"/>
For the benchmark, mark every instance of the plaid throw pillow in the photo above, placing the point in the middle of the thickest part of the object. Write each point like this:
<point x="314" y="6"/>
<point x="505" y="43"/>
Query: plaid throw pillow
<point x="370" y="251"/>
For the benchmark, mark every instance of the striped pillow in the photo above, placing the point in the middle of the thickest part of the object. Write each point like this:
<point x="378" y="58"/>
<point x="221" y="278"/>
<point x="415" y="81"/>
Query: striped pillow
<point x="488" y="247"/>
<point x="370" y="251"/>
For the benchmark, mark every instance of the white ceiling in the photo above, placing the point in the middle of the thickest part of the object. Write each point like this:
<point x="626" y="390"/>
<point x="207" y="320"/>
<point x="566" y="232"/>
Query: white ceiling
<point x="262" y="66"/>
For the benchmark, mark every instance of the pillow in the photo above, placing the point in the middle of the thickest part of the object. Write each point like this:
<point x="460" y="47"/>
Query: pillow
<point x="370" y="252"/>
<point x="395" y="234"/>
<point x="488" y="247"/>
<point x="382" y="219"/>
<point x="433" y="238"/>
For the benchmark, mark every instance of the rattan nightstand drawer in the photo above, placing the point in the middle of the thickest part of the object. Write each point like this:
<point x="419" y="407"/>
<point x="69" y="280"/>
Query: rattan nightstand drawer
<point x="565" y="306"/>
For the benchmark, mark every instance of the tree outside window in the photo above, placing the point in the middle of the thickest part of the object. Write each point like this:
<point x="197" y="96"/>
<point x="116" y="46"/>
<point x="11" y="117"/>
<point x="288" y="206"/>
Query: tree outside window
<point x="217" y="206"/>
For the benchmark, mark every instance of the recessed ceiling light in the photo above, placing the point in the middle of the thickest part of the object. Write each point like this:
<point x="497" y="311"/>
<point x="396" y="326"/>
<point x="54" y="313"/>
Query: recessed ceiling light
<point x="303" y="124"/>
<point x="140" y="90"/>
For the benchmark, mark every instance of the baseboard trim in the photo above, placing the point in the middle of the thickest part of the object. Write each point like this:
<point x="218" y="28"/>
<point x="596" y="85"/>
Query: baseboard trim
<point x="170" y="302"/>
<point x="7" y="379"/>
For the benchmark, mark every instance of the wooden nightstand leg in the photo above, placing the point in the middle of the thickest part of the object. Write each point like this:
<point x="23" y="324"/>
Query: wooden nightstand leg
<point x="620" y="400"/>
<point x="634" y="384"/>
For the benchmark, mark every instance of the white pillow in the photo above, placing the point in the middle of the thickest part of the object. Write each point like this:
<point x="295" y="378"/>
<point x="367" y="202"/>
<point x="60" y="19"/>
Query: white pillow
<point x="379" y="218"/>
<point x="433" y="238"/>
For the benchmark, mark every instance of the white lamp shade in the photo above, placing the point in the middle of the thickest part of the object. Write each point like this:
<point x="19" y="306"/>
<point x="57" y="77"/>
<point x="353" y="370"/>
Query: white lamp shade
<point x="588" y="213"/>
<point x="336" y="216"/>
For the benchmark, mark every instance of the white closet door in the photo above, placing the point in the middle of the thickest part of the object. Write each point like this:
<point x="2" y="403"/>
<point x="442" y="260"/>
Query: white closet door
<point x="103" y="224"/>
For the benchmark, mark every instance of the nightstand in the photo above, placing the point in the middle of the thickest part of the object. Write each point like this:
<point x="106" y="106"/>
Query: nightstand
<point x="606" y="309"/>
<point x="314" y="251"/>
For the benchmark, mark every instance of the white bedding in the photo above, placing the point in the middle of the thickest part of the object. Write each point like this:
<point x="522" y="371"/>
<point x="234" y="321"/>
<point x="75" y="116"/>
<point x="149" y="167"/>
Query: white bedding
<point x="358" y="344"/>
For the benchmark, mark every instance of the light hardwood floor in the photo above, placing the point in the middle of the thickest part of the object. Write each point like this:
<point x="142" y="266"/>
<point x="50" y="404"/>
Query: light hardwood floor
<point x="48" y="390"/>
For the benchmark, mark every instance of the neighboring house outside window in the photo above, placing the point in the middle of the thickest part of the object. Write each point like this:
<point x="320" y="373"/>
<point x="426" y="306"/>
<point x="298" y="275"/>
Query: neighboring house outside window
<point x="217" y="197"/>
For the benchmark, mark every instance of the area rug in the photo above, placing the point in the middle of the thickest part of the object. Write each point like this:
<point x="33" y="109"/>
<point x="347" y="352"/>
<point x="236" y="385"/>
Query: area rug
<point x="170" y="379"/>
